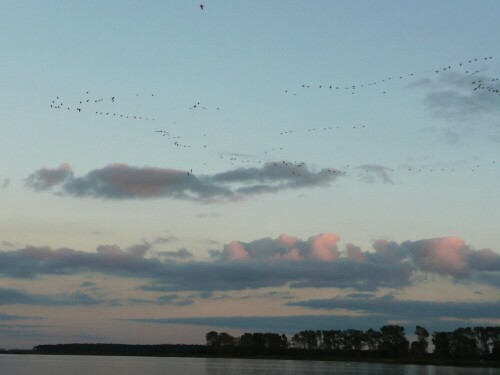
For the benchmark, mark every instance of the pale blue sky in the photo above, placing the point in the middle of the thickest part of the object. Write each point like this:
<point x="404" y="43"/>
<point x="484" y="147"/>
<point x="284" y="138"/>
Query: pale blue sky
<point x="247" y="58"/>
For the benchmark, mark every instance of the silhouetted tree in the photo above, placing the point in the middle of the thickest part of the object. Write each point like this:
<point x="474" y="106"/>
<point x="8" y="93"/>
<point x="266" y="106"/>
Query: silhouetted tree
<point x="463" y="344"/>
<point x="393" y="341"/>
<point x="212" y="338"/>
<point x="274" y="342"/>
<point x="482" y="338"/>
<point x="352" y="340"/>
<point x="225" y="339"/>
<point x="298" y="341"/>
<point x="372" y="339"/>
<point x="419" y="347"/>
<point x="319" y="338"/>
<point x="332" y="339"/>
<point x="441" y="342"/>
<point x="494" y="342"/>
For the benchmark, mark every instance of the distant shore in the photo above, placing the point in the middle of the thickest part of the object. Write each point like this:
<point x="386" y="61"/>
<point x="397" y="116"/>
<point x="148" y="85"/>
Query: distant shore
<point x="302" y="357"/>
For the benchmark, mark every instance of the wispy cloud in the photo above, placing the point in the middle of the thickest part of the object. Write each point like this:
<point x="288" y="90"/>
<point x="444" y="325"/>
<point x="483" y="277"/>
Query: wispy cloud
<point x="207" y="215"/>
<point x="181" y="253"/>
<point x="463" y="100"/>
<point x="370" y="173"/>
<point x="5" y="183"/>
<point x="10" y="296"/>
<point x="291" y="324"/>
<point x="406" y="309"/>
<point x="9" y="317"/>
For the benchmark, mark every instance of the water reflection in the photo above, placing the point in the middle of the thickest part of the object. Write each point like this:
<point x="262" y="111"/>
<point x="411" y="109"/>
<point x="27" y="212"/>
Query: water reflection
<point x="84" y="365"/>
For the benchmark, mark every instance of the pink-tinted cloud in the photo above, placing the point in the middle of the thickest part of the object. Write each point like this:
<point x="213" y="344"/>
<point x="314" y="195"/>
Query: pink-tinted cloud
<point x="235" y="251"/>
<point x="293" y="254"/>
<point x="441" y="255"/>
<point x="267" y="262"/>
<point x="287" y="240"/>
<point x="354" y="253"/>
<point x="324" y="246"/>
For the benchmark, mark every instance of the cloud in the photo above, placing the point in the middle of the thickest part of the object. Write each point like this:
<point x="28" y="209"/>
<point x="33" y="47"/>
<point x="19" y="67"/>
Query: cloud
<point x="167" y="299"/>
<point x="463" y="99"/>
<point x="371" y="173"/>
<point x="281" y="324"/>
<point x="294" y="323"/>
<point x="163" y="240"/>
<point x="5" y="183"/>
<point x="46" y="178"/>
<point x="8" y="244"/>
<point x="173" y="299"/>
<point x="120" y="181"/>
<point x="182" y="253"/>
<point x="10" y="296"/>
<point x="440" y="255"/>
<point x="450" y="255"/>
<point x="406" y="309"/>
<point x="207" y="215"/>
<point x="272" y="295"/>
<point x="322" y="247"/>
<point x="88" y="284"/>
<point x="8" y="317"/>
<point x="286" y="261"/>
<point x="455" y="95"/>
<point x="257" y="270"/>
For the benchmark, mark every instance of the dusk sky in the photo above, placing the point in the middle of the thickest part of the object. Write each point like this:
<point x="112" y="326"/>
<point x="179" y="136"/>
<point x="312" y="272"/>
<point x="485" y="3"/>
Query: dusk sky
<point x="251" y="166"/>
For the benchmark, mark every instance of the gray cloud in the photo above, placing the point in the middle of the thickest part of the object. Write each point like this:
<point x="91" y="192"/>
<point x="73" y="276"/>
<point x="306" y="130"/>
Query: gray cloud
<point x="5" y="183"/>
<point x="273" y="295"/>
<point x="282" y="324"/>
<point x="162" y="240"/>
<point x="46" y="178"/>
<point x="120" y="181"/>
<point x="282" y="262"/>
<point x="406" y="309"/>
<point x="370" y="173"/>
<point x="8" y="317"/>
<point x="463" y="99"/>
<point x="18" y="297"/>
<point x="8" y="245"/>
<point x="207" y="215"/>
<point x="182" y="253"/>
<point x="456" y="95"/>
<point x="88" y="284"/>
<point x="295" y="323"/>
<point x="173" y="299"/>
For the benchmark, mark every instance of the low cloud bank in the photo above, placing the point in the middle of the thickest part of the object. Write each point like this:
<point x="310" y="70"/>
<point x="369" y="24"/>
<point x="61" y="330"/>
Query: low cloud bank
<point x="286" y="261"/>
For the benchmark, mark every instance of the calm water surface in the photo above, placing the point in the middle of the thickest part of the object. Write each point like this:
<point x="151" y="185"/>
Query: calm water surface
<point x="80" y="365"/>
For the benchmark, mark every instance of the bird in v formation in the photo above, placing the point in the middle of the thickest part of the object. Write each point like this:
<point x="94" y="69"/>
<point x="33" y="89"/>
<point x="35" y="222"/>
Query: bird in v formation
<point x="478" y="85"/>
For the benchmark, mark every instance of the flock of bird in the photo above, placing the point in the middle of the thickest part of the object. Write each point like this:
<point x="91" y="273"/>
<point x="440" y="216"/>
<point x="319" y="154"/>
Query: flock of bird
<point x="83" y="105"/>
<point x="290" y="131"/>
<point x="480" y="85"/>
<point x="353" y="88"/>
<point x="293" y="168"/>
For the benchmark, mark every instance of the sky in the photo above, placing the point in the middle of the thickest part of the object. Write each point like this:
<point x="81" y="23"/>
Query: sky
<point x="249" y="166"/>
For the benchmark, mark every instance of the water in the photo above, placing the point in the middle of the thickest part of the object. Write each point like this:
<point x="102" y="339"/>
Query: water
<point x="92" y="365"/>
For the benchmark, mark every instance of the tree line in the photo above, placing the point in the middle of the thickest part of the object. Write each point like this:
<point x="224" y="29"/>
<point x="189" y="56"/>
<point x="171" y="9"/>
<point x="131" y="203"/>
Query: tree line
<point x="389" y="342"/>
<point x="477" y="343"/>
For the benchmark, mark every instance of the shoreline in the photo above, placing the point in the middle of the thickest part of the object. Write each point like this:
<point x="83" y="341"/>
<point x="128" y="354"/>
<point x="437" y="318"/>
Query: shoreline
<point x="401" y="361"/>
